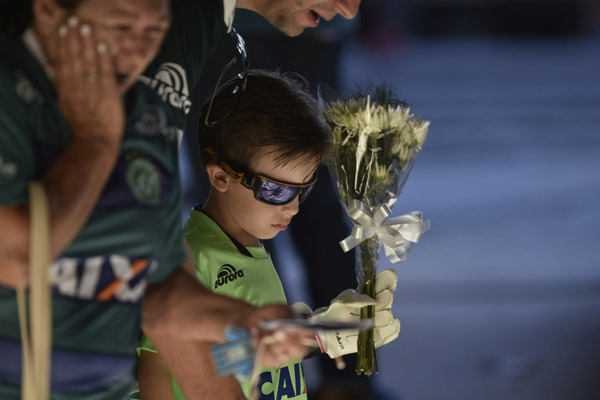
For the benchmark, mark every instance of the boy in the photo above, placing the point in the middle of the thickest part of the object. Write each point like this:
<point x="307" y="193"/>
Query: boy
<point x="260" y="157"/>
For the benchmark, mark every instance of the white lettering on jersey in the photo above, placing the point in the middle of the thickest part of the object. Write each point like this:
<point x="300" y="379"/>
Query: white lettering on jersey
<point x="7" y="169"/>
<point x="154" y="122"/>
<point x="290" y="385"/>
<point x="82" y="277"/>
<point x="170" y="83"/>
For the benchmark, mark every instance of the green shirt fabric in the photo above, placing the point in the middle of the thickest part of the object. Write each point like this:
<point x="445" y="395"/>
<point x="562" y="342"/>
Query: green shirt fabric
<point x="196" y="29"/>
<point x="136" y="219"/>
<point x="223" y="267"/>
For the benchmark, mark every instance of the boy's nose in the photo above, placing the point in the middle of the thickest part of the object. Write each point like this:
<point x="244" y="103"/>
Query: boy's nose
<point x="292" y="208"/>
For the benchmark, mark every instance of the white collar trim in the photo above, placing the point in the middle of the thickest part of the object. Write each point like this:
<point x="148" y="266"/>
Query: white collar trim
<point x="33" y="45"/>
<point x="229" y="13"/>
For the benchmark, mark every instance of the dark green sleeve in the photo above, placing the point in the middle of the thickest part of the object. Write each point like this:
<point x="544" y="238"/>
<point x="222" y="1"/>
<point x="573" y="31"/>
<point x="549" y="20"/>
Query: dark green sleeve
<point x="173" y="253"/>
<point x="17" y="161"/>
<point x="196" y="28"/>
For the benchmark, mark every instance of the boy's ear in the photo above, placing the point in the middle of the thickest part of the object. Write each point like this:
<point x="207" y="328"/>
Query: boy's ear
<point x="218" y="178"/>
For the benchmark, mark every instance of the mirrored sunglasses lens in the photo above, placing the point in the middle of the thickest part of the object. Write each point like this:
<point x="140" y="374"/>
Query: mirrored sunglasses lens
<point x="275" y="193"/>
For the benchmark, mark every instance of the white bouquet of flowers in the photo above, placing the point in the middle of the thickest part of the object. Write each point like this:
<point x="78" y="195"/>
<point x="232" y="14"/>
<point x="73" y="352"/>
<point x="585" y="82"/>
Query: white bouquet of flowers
<point x="377" y="141"/>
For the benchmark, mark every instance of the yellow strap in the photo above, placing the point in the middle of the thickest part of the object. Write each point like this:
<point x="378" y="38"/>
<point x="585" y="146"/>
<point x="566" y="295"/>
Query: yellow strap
<point x="36" y="332"/>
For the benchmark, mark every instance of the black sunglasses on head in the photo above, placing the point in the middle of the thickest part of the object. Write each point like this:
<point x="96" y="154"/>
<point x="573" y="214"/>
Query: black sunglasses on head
<point x="266" y="190"/>
<point x="241" y="59"/>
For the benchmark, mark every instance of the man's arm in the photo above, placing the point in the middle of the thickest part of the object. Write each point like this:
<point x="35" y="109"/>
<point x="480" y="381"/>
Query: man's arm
<point x="204" y="383"/>
<point x="94" y="112"/>
<point x="179" y="314"/>
<point x="154" y="377"/>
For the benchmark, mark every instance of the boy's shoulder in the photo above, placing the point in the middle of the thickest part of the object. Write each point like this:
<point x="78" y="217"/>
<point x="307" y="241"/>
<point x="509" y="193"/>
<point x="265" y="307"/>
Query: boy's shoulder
<point x="204" y="235"/>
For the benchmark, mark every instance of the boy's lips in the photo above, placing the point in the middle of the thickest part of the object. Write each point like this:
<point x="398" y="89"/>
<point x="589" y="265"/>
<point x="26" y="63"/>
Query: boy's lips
<point x="282" y="226"/>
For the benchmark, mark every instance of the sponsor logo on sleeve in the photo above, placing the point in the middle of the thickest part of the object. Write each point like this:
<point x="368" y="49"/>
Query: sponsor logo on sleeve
<point x="170" y="83"/>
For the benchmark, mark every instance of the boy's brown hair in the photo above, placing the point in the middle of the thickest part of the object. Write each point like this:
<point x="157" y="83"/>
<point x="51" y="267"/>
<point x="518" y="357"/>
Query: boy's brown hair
<point x="276" y="111"/>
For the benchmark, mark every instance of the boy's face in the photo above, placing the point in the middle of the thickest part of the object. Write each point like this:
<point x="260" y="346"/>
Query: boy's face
<point x="253" y="219"/>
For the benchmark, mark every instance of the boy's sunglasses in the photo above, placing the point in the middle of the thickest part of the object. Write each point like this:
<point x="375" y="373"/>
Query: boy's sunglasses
<point x="241" y="59"/>
<point x="266" y="190"/>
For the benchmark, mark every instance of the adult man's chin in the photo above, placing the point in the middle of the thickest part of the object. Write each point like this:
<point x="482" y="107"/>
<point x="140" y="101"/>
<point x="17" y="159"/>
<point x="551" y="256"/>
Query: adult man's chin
<point x="294" y="26"/>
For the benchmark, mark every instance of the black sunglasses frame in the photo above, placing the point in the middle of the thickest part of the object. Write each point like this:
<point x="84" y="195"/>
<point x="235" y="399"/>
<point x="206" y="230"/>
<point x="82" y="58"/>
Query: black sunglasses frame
<point x="238" y="90"/>
<point x="255" y="182"/>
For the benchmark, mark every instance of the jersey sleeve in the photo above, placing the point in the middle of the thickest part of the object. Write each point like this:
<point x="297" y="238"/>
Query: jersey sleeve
<point x="17" y="160"/>
<point x="196" y="28"/>
<point x="173" y="254"/>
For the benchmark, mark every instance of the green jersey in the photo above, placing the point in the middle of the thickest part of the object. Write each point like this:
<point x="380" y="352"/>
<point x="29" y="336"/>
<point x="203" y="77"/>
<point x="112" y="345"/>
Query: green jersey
<point x="135" y="221"/>
<point x="245" y="273"/>
<point x="196" y="29"/>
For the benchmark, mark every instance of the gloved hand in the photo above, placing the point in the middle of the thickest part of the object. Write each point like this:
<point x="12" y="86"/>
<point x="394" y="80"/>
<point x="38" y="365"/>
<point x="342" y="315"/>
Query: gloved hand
<point x="346" y="307"/>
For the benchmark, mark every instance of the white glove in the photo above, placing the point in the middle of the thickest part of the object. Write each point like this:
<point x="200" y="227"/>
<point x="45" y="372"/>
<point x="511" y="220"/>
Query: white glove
<point x="346" y="308"/>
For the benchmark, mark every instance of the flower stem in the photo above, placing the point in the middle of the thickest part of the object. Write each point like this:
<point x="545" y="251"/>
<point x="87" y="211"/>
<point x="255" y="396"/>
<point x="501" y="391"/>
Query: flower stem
<point x="368" y="260"/>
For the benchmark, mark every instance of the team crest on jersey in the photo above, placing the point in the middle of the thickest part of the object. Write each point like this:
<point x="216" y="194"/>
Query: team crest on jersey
<point x="170" y="83"/>
<point x="143" y="179"/>
<point x="227" y="273"/>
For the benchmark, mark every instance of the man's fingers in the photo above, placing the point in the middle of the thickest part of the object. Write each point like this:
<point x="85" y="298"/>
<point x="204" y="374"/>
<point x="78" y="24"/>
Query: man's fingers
<point x="283" y="346"/>
<point x="61" y="67"/>
<point x="106" y="73"/>
<point x="88" y="59"/>
<point x="74" y="50"/>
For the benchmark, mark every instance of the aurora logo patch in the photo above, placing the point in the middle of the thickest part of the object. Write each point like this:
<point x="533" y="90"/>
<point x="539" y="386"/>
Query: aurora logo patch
<point x="143" y="180"/>
<point x="227" y="273"/>
<point x="170" y="83"/>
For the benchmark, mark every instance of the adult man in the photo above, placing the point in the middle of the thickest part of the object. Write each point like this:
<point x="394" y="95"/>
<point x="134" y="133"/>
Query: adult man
<point x="199" y="25"/>
<point x="197" y="28"/>
<point x="109" y="166"/>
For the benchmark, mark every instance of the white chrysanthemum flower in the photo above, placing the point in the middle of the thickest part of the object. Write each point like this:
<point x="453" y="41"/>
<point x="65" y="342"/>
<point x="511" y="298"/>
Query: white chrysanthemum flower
<point x="361" y="127"/>
<point x="381" y="172"/>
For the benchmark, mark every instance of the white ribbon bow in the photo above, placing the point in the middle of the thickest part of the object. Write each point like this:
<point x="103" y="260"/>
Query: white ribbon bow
<point x="396" y="233"/>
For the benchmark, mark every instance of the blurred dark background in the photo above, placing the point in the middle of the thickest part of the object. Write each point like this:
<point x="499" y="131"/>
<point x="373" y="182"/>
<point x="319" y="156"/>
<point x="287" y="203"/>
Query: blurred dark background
<point x="501" y="299"/>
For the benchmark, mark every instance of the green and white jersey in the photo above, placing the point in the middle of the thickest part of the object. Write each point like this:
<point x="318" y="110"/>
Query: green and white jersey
<point x="196" y="29"/>
<point x="245" y="273"/>
<point x="135" y="221"/>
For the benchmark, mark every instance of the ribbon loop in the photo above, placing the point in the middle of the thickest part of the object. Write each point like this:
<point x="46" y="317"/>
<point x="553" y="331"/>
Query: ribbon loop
<point x="396" y="234"/>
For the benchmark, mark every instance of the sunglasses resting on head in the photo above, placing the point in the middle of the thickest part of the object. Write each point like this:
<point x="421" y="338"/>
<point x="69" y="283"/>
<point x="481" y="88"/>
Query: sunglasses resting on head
<point x="266" y="190"/>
